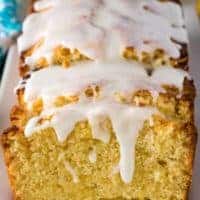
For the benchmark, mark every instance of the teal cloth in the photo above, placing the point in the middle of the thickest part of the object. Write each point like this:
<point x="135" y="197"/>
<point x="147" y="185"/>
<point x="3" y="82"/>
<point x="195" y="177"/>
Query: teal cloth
<point x="9" y="20"/>
<point x="10" y="25"/>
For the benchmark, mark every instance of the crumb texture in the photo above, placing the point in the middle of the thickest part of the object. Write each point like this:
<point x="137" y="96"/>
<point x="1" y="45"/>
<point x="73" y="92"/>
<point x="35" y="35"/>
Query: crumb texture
<point x="37" y="165"/>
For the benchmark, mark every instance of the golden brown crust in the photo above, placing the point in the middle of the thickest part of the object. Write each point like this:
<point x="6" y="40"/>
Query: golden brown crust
<point x="7" y="156"/>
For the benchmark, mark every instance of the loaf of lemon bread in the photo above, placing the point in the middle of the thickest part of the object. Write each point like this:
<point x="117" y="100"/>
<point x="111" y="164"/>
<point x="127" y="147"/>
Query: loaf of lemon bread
<point x="105" y="103"/>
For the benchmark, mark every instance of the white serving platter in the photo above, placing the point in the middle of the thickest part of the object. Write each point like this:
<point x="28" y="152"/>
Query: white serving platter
<point x="10" y="79"/>
<point x="7" y="99"/>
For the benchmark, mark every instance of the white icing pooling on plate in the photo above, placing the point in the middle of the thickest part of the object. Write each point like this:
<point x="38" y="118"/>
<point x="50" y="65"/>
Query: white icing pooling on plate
<point x="119" y="76"/>
<point x="100" y="29"/>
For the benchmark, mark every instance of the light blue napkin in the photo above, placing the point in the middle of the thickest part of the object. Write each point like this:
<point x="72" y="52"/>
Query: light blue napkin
<point x="9" y="19"/>
<point x="10" y="24"/>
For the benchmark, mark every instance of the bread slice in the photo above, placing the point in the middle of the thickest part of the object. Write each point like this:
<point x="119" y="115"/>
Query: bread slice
<point x="40" y="167"/>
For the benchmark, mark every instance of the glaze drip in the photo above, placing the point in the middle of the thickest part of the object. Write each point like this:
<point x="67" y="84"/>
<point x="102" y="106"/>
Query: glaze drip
<point x="101" y="30"/>
<point x="120" y="76"/>
<point x="126" y="126"/>
<point x="146" y="25"/>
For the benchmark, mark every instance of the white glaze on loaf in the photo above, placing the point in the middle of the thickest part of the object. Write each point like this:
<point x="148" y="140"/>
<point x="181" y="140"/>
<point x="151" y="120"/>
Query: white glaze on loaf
<point x="120" y="76"/>
<point x="126" y="121"/>
<point x="102" y="29"/>
<point x="117" y="76"/>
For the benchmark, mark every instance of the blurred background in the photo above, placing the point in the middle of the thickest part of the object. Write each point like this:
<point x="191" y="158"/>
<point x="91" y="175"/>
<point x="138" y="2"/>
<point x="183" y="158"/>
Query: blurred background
<point x="12" y="13"/>
<point x="191" y="11"/>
